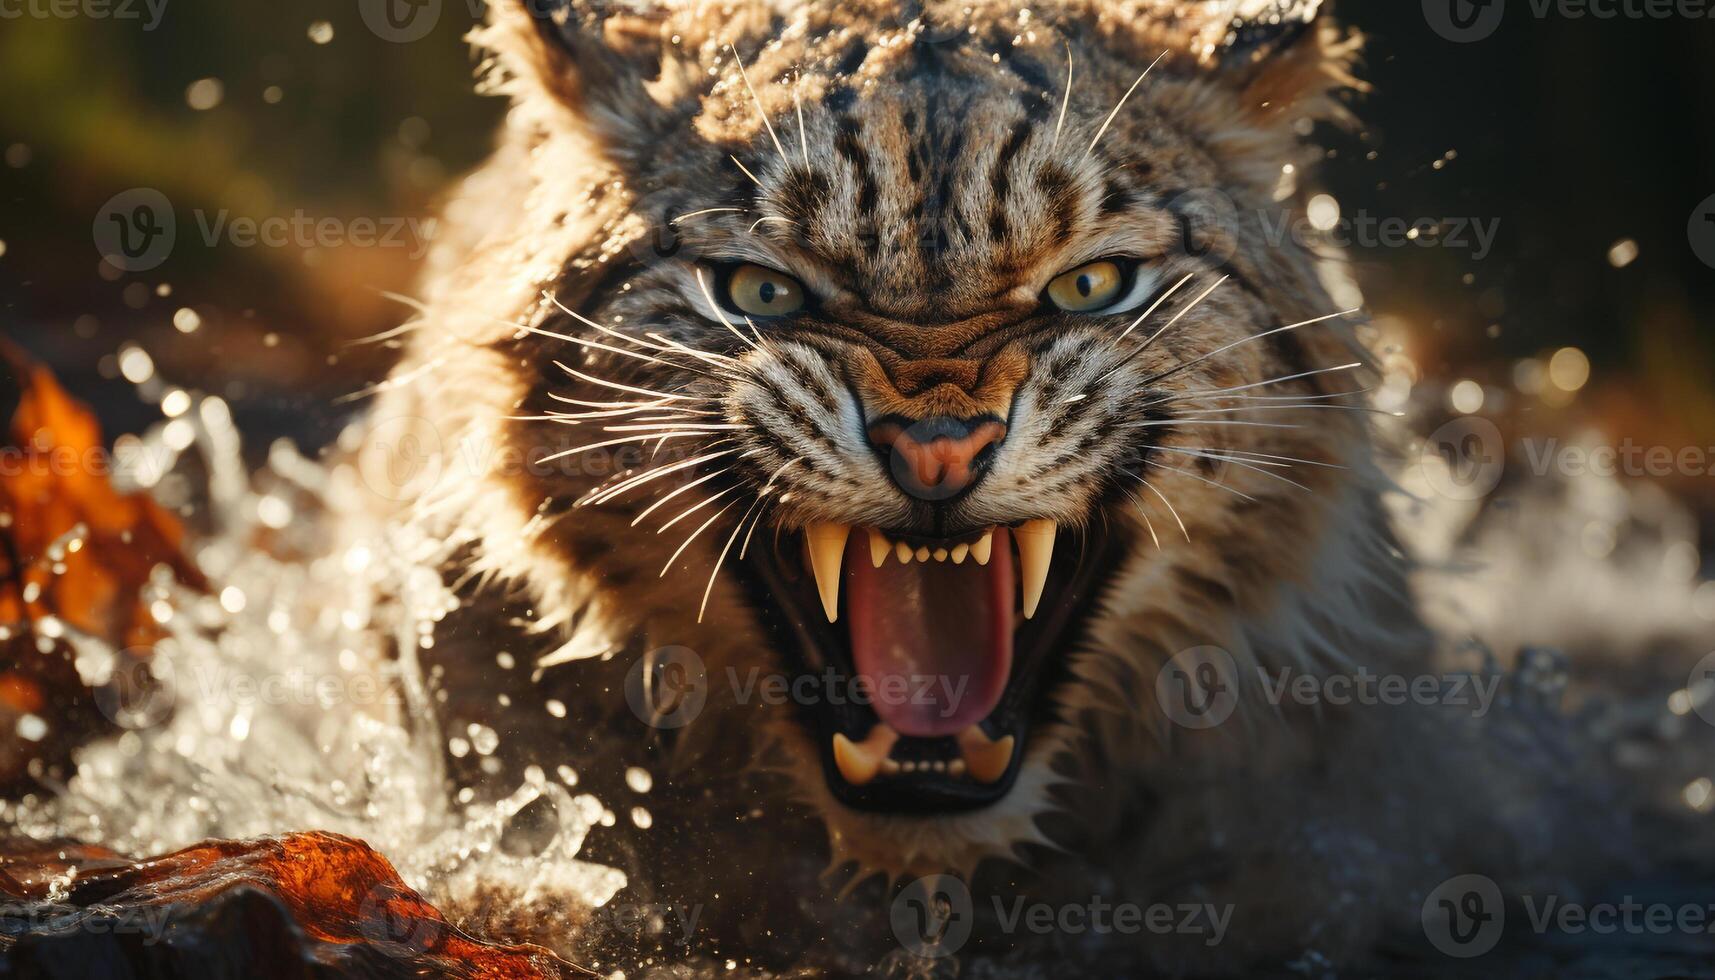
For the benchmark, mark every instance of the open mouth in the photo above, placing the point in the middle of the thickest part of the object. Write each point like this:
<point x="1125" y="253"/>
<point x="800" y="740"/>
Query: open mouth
<point x="929" y="659"/>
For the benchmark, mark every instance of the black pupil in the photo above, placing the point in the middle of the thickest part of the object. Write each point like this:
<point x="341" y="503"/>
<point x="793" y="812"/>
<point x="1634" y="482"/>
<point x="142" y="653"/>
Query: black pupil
<point x="1086" y="283"/>
<point x="766" y="292"/>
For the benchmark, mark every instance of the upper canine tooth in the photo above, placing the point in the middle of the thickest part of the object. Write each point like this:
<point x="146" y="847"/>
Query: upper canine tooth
<point x="987" y="760"/>
<point x="959" y="553"/>
<point x="858" y="762"/>
<point x="1035" y="551"/>
<point x="878" y="547"/>
<point x="985" y="544"/>
<point x="827" y="550"/>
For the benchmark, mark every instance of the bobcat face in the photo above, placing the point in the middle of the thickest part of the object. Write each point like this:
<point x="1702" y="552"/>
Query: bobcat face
<point x="961" y="378"/>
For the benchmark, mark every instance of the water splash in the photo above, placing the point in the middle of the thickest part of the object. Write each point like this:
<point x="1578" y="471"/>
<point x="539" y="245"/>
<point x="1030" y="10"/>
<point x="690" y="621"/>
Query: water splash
<point x="289" y="695"/>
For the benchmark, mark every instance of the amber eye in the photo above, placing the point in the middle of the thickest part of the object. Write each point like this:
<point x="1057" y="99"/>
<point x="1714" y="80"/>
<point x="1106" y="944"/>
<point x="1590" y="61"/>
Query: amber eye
<point x="1087" y="288"/>
<point x="757" y="291"/>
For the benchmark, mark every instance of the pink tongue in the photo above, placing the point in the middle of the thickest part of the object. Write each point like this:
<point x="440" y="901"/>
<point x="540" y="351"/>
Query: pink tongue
<point x="932" y="641"/>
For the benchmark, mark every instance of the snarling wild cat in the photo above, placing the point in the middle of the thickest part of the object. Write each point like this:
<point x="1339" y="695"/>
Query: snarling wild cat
<point x="932" y="363"/>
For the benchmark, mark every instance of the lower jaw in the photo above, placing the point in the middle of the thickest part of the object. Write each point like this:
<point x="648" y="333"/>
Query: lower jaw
<point x="940" y="774"/>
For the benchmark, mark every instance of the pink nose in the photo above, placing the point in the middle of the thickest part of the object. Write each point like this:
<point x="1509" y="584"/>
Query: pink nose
<point x="936" y="458"/>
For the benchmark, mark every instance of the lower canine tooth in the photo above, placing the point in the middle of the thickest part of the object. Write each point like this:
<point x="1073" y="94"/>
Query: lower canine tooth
<point x="827" y="550"/>
<point x="987" y="760"/>
<point x="878" y="548"/>
<point x="984" y="547"/>
<point x="1035" y="552"/>
<point x="858" y="762"/>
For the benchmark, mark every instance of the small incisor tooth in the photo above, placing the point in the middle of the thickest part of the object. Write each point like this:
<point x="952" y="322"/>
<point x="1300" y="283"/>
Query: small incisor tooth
<point x="986" y="760"/>
<point x="827" y="550"/>
<point x="923" y="554"/>
<point x="1035" y="553"/>
<point x="903" y="551"/>
<point x="940" y="554"/>
<point x="959" y="553"/>
<point x="878" y="548"/>
<point x="984" y="547"/>
<point x="858" y="762"/>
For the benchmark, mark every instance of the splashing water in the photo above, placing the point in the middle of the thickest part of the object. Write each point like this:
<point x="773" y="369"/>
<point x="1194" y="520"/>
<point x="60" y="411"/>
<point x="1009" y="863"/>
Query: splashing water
<point x="274" y="704"/>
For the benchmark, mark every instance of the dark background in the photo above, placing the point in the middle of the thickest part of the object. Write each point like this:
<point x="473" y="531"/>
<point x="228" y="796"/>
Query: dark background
<point x="1575" y="134"/>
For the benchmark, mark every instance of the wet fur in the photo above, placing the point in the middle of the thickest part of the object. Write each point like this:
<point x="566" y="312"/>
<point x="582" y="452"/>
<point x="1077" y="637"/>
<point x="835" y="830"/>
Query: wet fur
<point x="609" y="138"/>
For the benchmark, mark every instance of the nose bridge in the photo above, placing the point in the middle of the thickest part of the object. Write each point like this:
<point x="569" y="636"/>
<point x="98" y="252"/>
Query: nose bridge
<point x="946" y="387"/>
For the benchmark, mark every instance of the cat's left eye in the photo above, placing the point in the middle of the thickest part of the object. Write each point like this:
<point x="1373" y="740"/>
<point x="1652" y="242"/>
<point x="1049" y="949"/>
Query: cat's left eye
<point x="1088" y="288"/>
<point x="758" y="291"/>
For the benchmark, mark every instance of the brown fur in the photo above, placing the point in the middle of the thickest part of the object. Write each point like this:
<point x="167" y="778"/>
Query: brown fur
<point x="888" y="203"/>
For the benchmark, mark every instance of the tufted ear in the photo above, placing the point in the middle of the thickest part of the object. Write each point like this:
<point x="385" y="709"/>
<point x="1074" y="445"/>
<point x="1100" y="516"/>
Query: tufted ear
<point x="598" y="63"/>
<point x="1286" y="56"/>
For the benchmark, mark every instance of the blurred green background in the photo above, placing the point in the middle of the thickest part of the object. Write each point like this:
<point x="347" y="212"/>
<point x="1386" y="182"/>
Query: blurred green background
<point x="1588" y="142"/>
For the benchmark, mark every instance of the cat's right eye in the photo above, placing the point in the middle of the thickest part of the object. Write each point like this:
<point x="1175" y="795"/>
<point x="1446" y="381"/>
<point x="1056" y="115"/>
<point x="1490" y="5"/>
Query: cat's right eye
<point x="758" y="291"/>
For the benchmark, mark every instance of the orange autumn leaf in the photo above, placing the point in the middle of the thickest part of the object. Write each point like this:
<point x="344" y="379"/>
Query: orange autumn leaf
<point x="54" y="477"/>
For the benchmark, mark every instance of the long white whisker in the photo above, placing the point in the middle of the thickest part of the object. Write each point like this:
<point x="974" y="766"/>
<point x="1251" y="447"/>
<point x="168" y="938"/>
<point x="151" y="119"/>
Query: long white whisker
<point x="1236" y="462"/>
<point x="694" y="483"/>
<point x="1164" y="297"/>
<point x="602" y="496"/>
<point x="713" y="518"/>
<point x="704" y="285"/>
<point x="574" y="372"/>
<point x="1066" y="99"/>
<point x="1109" y="121"/>
<point x="1170" y="508"/>
<point x="1222" y="486"/>
<point x="765" y="488"/>
<point x="694" y="508"/>
<point x="803" y="134"/>
<point x="1239" y="343"/>
<point x="758" y="101"/>
<point x="1210" y="392"/>
<point x="698" y="214"/>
